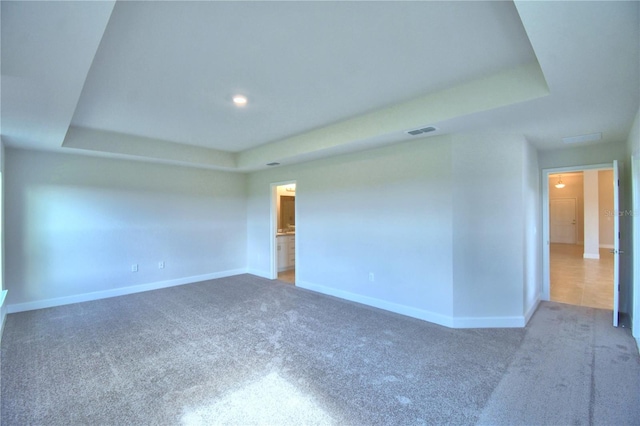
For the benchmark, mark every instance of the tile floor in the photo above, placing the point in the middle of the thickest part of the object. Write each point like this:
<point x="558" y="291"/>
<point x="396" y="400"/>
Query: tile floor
<point x="578" y="281"/>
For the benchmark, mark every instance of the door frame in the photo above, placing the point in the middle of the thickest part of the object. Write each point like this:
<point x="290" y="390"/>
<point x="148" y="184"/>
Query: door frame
<point x="546" y="269"/>
<point x="273" y="227"/>
<point x="635" y="245"/>
<point x="575" y="214"/>
<point x="616" y="243"/>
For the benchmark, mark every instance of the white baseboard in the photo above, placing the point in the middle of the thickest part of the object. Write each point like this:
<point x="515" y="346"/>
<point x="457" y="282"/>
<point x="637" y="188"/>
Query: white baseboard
<point x="3" y="296"/>
<point x="436" y="318"/>
<point x="489" y="322"/>
<point x="122" y="291"/>
<point x="591" y="256"/>
<point x="379" y="303"/>
<point x="259" y="273"/>
<point x="532" y="309"/>
<point x="3" y="312"/>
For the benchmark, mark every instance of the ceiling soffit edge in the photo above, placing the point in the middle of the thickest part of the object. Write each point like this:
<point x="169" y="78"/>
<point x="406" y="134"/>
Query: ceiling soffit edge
<point x="147" y="148"/>
<point x="508" y="87"/>
<point x="384" y="126"/>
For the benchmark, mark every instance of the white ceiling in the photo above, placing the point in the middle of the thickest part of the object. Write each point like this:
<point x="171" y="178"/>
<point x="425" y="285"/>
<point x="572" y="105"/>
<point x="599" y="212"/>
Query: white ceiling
<point x="153" y="80"/>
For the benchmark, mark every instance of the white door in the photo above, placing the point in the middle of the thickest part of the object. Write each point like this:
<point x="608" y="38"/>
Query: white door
<point x="562" y="220"/>
<point x="616" y="243"/>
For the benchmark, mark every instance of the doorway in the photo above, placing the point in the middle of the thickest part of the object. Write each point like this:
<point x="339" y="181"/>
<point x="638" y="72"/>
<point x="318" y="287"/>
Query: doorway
<point x="283" y="226"/>
<point x="580" y="257"/>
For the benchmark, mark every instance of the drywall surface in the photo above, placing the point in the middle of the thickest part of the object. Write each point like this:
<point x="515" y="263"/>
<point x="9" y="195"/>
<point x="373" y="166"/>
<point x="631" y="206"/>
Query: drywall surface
<point x="633" y="142"/>
<point x="591" y="215"/>
<point x="605" y="209"/>
<point x="3" y="303"/>
<point x="630" y="225"/>
<point x="582" y="155"/>
<point x="76" y="225"/>
<point x="385" y="211"/>
<point x="532" y="230"/>
<point x="2" y="227"/>
<point x="440" y="222"/>
<point x="488" y="223"/>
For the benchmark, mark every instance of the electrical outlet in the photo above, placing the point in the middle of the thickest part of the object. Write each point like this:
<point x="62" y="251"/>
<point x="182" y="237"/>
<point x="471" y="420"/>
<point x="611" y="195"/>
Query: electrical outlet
<point x="134" y="267"/>
<point x="160" y="265"/>
<point x="372" y="277"/>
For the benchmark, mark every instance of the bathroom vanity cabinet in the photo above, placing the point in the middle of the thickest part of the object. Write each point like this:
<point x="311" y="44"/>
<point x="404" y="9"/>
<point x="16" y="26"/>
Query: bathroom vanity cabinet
<point x="286" y="252"/>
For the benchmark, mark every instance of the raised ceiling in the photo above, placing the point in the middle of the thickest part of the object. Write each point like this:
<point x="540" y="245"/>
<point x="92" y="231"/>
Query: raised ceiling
<point x="154" y="80"/>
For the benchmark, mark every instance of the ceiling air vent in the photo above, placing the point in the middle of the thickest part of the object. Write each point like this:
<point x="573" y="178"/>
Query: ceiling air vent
<point x="417" y="132"/>
<point x="583" y="138"/>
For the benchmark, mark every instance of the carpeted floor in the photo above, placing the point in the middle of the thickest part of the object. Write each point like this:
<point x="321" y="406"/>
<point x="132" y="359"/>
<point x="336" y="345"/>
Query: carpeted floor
<point x="245" y="350"/>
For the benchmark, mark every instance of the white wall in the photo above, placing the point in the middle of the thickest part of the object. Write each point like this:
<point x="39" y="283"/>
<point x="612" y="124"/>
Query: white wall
<point x="386" y="211"/>
<point x="488" y="224"/>
<point x="1" y="214"/>
<point x="591" y="215"/>
<point x="3" y="303"/>
<point x="76" y="224"/>
<point x="582" y="155"/>
<point x="605" y="201"/>
<point x="428" y="217"/>
<point x="631" y="203"/>
<point x="532" y="231"/>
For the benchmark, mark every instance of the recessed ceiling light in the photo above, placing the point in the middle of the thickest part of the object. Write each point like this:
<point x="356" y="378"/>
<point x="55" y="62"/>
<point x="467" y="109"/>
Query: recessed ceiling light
<point x="240" y="100"/>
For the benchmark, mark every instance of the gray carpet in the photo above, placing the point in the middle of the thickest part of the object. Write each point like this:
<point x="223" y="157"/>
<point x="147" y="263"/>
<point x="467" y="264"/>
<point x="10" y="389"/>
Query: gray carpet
<point x="245" y="350"/>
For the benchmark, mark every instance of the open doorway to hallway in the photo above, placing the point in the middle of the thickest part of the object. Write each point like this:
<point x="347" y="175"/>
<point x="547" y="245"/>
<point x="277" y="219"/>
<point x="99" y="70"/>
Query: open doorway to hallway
<point x="581" y="238"/>
<point x="286" y="232"/>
